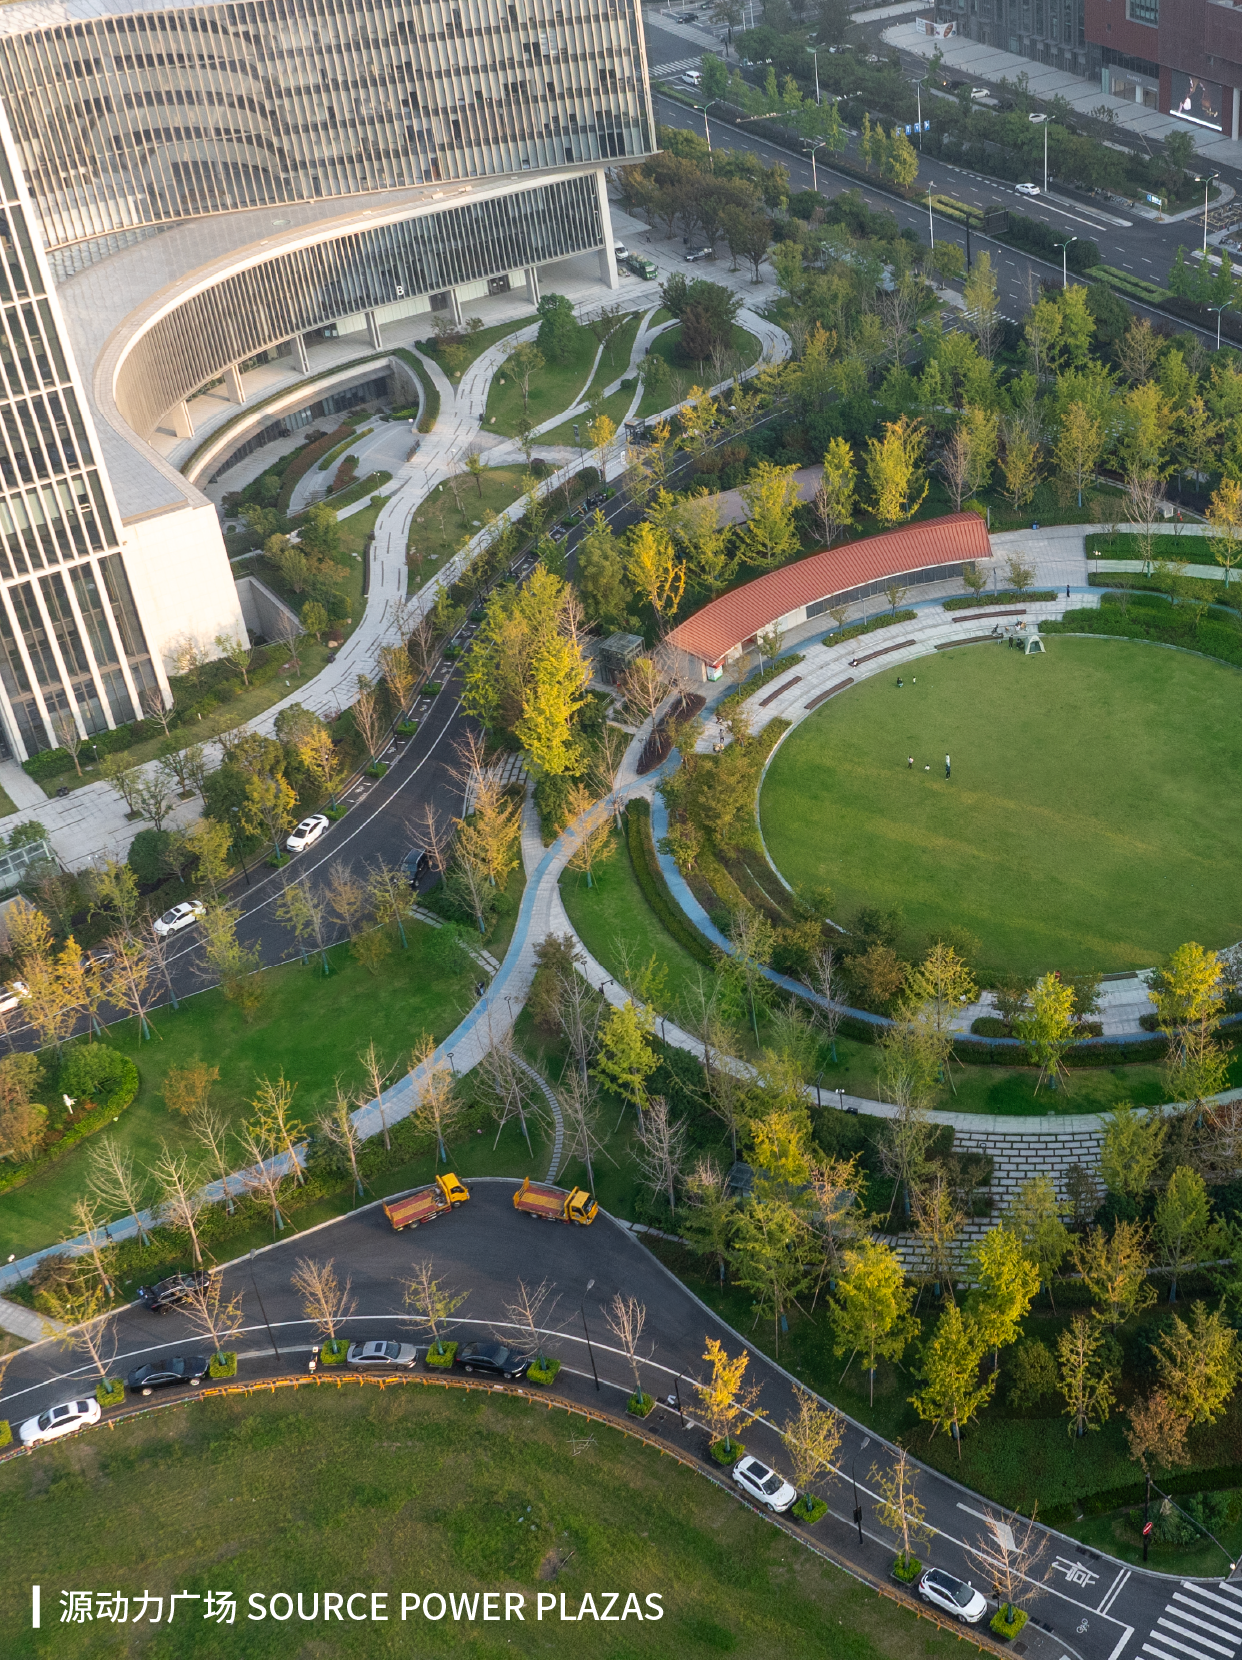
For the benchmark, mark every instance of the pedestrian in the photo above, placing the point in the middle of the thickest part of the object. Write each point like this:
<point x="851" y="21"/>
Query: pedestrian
<point x="899" y="680"/>
<point x="927" y="768"/>
<point x="946" y="766"/>
<point x="1067" y="590"/>
<point x="910" y="764"/>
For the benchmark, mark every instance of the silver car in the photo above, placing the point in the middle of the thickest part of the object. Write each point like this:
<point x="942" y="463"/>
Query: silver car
<point x="380" y="1352"/>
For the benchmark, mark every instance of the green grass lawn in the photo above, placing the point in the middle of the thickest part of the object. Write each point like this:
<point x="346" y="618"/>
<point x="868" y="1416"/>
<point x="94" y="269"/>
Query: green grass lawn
<point x="475" y="345"/>
<point x="615" y="407"/>
<point x="1085" y="821"/>
<point x="438" y="528"/>
<point x="416" y="1490"/>
<point x="685" y="375"/>
<point x="557" y="386"/>
<point x="311" y="1027"/>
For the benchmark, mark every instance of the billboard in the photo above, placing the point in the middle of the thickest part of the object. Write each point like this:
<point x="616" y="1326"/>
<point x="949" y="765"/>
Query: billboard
<point x="1196" y="100"/>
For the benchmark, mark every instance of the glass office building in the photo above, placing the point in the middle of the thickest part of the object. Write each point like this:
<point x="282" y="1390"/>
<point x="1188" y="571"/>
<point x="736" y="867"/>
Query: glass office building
<point x="413" y="148"/>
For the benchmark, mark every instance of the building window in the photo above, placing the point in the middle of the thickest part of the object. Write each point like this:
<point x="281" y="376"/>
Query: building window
<point x="1144" y="11"/>
<point x="95" y="621"/>
<point x="128" y="626"/>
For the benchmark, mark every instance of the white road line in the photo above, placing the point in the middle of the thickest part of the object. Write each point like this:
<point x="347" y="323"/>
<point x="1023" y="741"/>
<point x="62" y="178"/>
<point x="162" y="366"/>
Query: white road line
<point x="1185" y="1648"/>
<point x="1226" y="1648"/>
<point x="1202" y="1607"/>
<point x="1211" y="1596"/>
<point x="1233" y="1590"/>
<point x="1111" y="1595"/>
<point x="1162" y="1654"/>
<point x="1001" y="1531"/>
<point x="1209" y="1624"/>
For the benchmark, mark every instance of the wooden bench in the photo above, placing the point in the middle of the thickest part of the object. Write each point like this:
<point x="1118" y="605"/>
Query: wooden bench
<point x="987" y="616"/>
<point x="970" y="640"/>
<point x="857" y="662"/>
<point x="822" y="697"/>
<point x="783" y="687"/>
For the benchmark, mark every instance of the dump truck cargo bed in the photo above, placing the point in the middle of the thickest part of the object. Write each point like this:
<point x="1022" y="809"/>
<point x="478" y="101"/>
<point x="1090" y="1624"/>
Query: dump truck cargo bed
<point x="541" y="1199"/>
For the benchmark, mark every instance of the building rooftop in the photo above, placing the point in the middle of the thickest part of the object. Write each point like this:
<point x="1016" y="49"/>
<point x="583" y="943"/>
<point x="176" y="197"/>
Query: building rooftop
<point x="737" y="616"/>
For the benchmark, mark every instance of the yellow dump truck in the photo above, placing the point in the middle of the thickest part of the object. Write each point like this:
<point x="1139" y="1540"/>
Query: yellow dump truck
<point x="445" y="1193"/>
<point x="556" y="1204"/>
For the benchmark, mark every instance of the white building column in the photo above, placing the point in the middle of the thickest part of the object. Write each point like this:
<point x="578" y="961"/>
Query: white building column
<point x="1237" y="102"/>
<point x="373" y="331"/>
<point x="183" y="426"/>
<point x="607" y="254"/>
<point x="233" y="383"/>
<point x="455" y="306"/>
<point x="300" y="354"/>
<point x="532" y="285"/>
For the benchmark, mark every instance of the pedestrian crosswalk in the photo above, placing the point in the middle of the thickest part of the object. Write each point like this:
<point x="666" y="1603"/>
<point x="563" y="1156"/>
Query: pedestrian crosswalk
<point x="665" y="70"/>
<point x="1198" y="1623"/>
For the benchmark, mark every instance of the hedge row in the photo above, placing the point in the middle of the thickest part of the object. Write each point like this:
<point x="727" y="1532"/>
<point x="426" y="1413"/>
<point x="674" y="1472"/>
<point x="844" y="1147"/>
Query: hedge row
<point x="656" y="889"/>
<point x="856" y="630"/>
<point x="1224" y="1478"/>
<point x="303" y="463"/>
<point x="1210" y="639"/>
<point x="748" y="688"/>
<point x="1007" y="596"/>
<point x="431" y="396"/>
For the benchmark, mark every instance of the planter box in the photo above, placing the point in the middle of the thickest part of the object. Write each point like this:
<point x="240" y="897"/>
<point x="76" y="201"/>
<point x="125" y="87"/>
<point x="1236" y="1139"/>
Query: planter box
<point x="407" y="728"/>
<point x="728" y="1455"/>
<point x="333" y="1354"/>
<point x="223" y="1365"/>
<point x="544" y="1374"/>
<point x="6" y="1433"/>
<point x="640" y="1406"/>
<point x="1001" y="1626"/>
<point x="905" y="1572"/>
<point x="441" y="1362"/>
<point x="809" y="1509"/>
<point x="432" y="688"/>
<point x="334" y="813"/>
<point x="278" y="861"/>
<point x="377" y="769"/>
<point x="110" y="1392"/>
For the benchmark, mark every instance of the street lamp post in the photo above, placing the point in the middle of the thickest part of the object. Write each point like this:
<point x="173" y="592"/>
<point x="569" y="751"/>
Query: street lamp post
<point x="1206" y="181"/>
<point x="1045" y="158"/>
<point x="255" y="1284"/>
<point x="1064" y="247"/>
<point x="931" y="228"/>
<point x="814" y="176"/>
<point x="586" y="1333"/>
<point x="814" y="51"/>
<point x="918" y="93"/>
<point x="1218" y="309"/>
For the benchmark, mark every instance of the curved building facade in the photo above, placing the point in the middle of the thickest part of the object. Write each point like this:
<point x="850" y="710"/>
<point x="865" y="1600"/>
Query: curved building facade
<point x="417" y="153"/>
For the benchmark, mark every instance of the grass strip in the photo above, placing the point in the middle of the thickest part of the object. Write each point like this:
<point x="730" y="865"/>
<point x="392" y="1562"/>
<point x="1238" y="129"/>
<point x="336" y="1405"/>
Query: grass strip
<point x="431" y="396"/>
<point x="656" y="890"/>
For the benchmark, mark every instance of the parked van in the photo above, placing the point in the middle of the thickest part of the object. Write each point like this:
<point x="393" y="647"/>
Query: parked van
<point x="693" y="77"/>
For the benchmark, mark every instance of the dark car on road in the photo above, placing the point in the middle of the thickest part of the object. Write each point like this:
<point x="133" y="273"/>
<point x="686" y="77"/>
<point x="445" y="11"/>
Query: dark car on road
<point x="416" y="861"/>
<point x="165" y="1373"/>
<point x="493" y="1359"/>
<point x="175" y="1289"/>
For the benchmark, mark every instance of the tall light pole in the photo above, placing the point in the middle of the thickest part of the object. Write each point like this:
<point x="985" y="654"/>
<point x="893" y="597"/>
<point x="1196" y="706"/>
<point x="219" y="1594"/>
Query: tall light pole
<point x="814" y="176"/>
<point x="707" y="132"/>
<point x="1218" y="309"/>
<point x="931" y="228"/>
<point x="1206" y="181"/>
<point x="1064" y="246"/>
<point x="918" y="93"/>
<point x="1045" y="158"/>
<point x="814" y="51"/>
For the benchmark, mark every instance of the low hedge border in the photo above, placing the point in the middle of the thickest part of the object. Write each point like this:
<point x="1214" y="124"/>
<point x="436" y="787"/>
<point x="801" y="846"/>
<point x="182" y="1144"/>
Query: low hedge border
<point x="1007" y="596"/>
<point x="1224" y="1478"/>
<point x="442" y="1361"/>
<point x="341" y="439"/>
<point x="430" y="398"/>
<point x="83" y="1124"/>
<point x="110" y="1392"/>
<point x="656" y="890"/>
<point x="748" y="688"/>
<point x="856" y="630"/>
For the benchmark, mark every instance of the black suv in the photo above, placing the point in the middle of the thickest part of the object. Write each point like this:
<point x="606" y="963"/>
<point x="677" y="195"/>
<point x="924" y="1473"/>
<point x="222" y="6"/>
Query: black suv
<point x="175" y="1289"/>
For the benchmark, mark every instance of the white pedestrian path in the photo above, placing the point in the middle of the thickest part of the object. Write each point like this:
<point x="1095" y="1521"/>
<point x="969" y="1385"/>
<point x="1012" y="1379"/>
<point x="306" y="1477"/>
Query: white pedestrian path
<point x="1199" y="1622"/>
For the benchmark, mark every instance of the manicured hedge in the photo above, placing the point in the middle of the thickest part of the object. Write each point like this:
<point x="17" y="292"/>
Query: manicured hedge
<point x="656" y="890"/>
<point x="1162" y="625"/>
<point x="1223" y="1479"/>
<point x="303" y="463"/>
<point x="855" y="630"/>
<point x="748" y="688"/>
<point x="431" y="397"/>
<point x="1007" y="596"/>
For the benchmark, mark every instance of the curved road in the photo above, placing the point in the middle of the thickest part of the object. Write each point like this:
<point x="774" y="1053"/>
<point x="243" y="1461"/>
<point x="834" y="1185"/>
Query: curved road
<point x="1089" y="1607"/>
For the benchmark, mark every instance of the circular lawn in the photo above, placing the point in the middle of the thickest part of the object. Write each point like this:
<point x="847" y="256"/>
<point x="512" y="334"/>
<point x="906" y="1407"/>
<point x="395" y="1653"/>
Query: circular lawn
<point x="1090" y="821"/>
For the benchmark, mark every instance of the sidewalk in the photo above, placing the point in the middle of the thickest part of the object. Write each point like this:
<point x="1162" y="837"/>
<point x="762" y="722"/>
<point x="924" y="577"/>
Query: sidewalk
<point x="976" y="62"/>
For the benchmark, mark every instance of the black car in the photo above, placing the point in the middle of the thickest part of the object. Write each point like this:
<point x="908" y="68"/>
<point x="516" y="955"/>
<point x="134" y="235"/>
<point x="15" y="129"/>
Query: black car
<point x="175" y="1289"/>
<point x="492" y="1358"/>
<point x="161" y="1374"/>
<point x="416" y="861"/>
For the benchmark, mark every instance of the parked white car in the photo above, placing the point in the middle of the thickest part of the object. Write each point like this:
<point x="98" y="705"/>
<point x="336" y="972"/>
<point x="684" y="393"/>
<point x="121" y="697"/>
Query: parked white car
<point x="181" y="916"/>
<point x="307" y="833"/>
<point x="693" y="77"/>
<point x="1027" y="189"/>
<point x="953" y="1596"/>
<point x="13" y="995"/>
<point x="58" y="1421"/>
<point x="764" y="1484"/>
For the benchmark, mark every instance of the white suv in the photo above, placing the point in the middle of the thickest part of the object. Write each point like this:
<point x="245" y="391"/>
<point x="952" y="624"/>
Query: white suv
<point x="181" y="916"/>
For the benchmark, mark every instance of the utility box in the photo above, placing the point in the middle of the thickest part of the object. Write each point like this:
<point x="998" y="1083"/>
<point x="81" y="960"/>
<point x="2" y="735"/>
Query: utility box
<point x="616" y="654"/>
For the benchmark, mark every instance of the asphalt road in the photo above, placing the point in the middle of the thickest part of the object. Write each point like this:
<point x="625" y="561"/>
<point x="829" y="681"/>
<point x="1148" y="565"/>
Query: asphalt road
<point x="1089" y="1607"/>
<point x="1143" y="247"/>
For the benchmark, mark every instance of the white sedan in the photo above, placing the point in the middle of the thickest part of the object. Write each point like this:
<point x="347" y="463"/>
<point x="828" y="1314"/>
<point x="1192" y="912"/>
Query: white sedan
<point x="307" y="833"/>
<point x="953" y="1596"/>
<point x="13" y="995"/>
<point x="58" y="1421"/>
<point x="1027" y="189"/>
<point x="764" y="1484"/>
<point x="380" y="1353"/>
<point x="181" y="916"/>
